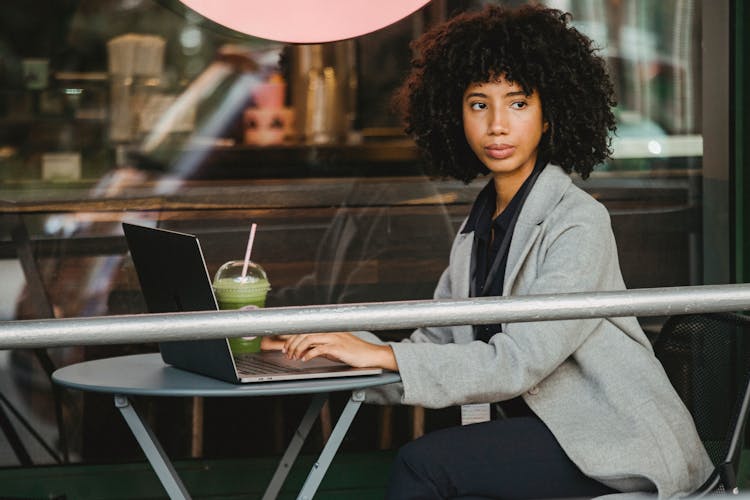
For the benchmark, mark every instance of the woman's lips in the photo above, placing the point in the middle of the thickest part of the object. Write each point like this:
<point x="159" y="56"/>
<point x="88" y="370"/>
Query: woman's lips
<point x="500" y="152"/>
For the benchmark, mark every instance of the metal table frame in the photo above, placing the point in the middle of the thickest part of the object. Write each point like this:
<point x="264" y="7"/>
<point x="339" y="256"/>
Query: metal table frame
<point x="147" y="375"/>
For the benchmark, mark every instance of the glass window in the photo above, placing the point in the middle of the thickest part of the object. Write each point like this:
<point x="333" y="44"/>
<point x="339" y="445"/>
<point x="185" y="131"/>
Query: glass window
<point x="142" y="111"/>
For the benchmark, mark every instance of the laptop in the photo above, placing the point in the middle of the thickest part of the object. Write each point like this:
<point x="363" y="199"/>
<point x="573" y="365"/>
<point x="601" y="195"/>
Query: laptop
<point x="174" y="278"/>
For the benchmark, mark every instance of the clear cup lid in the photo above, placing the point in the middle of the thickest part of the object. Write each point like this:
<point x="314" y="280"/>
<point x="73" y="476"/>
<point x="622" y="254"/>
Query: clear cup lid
<point x="235" y="271"/>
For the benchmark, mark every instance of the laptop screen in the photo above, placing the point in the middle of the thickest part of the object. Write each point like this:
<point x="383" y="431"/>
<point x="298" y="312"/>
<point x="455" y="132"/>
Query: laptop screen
<point x="174" y="278"/>
<point x="171" y="270"/>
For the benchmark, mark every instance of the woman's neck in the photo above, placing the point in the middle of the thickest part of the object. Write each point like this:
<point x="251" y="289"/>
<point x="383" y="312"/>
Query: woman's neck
<point x="505" y="189"/>
<point x="507" y="183"/>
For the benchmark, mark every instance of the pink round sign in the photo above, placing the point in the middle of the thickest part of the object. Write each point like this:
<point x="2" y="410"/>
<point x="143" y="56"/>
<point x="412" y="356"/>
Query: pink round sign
<point x="305" y="21"/>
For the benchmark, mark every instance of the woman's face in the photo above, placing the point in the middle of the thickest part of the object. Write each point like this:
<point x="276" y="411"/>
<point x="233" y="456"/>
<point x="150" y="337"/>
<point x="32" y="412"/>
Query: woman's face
<point x="503" y="127"/>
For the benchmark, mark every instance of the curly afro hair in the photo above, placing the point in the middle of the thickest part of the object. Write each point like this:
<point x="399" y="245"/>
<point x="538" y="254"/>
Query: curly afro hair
<point x="531" y="46"/>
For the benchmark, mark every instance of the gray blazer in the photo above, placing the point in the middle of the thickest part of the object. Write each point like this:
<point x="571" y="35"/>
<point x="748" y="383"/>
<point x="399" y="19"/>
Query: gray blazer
<point x="594" y="382"/>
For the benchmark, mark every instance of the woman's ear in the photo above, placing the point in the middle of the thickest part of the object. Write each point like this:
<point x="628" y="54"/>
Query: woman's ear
<point x="545" y="126"/>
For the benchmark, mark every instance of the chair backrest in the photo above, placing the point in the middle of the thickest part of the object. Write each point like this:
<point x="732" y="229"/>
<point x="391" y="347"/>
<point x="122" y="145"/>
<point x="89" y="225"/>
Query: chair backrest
<point x="707" y="359"/>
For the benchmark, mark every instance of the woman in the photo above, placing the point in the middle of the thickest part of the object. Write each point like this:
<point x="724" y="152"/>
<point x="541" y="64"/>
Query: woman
<point x="587" y="409"/>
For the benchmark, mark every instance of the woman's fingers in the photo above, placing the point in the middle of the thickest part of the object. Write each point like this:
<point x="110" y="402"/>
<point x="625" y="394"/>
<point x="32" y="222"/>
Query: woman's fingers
<point x="296" y="345"/>
<point x="299" y="345"/>
<point x="273" y="342"/>
<point x="314" y="352"/>
<point x="340" y="346"/>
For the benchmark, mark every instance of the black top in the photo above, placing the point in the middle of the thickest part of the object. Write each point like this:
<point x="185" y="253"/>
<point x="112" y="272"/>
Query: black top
<point x="489" y="259"/>
<point x="490" y="256"/>
<point x="492" y="240"/>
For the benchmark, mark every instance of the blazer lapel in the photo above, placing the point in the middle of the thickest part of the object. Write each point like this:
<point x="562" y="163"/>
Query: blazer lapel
<point x="544" y="196"/>
<point x="525" y="235"/>
<point x="461" y="281"/>
<point x="461" y="274"/>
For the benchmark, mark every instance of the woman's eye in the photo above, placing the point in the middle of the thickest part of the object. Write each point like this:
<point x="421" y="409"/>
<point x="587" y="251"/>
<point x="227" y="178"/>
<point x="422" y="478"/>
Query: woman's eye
<point x="478" y="105"/>
<point x="518" y="105"/>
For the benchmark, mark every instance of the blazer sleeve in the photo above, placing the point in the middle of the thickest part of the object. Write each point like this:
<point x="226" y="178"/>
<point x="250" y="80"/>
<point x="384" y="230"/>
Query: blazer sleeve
<point x="394" y="393"/>
<point x="576" y="253"/>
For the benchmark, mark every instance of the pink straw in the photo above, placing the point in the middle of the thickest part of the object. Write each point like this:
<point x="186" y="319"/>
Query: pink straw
<point x="249" y="249"/>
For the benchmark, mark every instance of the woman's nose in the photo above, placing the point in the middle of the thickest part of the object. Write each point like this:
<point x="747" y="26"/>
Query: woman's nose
<point x="498" y="123"/>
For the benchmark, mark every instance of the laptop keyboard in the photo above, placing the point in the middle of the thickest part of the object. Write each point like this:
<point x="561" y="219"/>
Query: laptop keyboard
<point x="254" y="365"/>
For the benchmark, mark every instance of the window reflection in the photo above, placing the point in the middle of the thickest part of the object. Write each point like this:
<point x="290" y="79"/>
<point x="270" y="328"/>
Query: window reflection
<point x="344" y="209"/>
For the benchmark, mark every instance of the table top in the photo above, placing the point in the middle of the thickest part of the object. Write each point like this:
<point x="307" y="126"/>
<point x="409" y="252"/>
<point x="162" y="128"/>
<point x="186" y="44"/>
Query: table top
<point x="148" y="375"/>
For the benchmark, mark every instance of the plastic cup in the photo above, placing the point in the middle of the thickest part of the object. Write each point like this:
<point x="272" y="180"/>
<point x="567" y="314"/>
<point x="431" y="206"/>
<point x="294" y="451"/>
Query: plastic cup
<point x="234" y="291"/>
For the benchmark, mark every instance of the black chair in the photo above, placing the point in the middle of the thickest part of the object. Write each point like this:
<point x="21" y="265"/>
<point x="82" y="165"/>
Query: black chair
<point x="707" y="359"/>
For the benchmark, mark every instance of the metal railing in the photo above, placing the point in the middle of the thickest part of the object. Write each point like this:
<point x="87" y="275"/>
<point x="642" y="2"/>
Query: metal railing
<point x="371" y="316"/>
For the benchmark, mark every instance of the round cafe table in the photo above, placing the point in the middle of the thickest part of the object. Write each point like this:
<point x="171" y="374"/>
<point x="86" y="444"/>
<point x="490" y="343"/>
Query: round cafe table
<point x="148" y="375"/>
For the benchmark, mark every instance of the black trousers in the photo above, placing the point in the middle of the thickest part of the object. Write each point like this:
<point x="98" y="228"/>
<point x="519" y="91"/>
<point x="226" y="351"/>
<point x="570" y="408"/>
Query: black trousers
<point x="514" y="458"/>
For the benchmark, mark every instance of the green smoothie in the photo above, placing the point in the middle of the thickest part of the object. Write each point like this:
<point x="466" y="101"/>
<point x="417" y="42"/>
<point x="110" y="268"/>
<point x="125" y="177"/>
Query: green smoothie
<point x="234" y="293"/>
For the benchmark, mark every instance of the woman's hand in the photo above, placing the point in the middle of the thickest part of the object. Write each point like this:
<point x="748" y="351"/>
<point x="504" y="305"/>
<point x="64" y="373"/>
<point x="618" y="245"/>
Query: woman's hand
<point x="273" y="342"/>
<point x="340" y="346"/>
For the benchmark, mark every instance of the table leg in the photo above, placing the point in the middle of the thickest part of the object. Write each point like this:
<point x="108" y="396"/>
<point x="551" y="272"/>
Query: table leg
<point x="196" y="434"/>
<point x="290" y="455"/>
<point x="329" y="450"/>
<point x="153" y="450"/>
